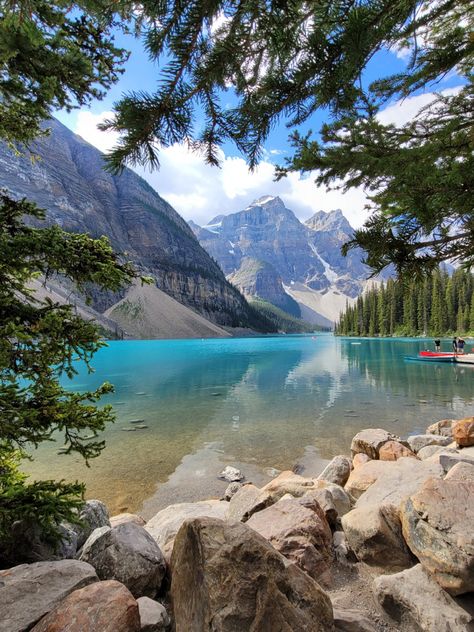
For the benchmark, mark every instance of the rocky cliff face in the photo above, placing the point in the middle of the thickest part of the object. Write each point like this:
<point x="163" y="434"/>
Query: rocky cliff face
<point x="260" y="279"/>
<point x="68" y="180"/>
<point x="306" y="254"/>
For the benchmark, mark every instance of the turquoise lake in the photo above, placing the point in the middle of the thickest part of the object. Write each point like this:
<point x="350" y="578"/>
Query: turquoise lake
<point x="258" y="403"/>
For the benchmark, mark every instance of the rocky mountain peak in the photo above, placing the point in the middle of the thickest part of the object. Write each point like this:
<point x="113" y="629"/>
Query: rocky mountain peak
<point x="331" y="221"/>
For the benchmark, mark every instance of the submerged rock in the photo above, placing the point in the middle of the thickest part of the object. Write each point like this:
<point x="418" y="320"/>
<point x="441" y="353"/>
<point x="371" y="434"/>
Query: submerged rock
<point x="231" y="474"/>
<point x="228" y="578"/>
<point x="104" y="606"/>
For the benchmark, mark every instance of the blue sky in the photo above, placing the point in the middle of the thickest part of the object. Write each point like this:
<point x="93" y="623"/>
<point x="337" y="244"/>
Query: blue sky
<point x="200" y="192"/>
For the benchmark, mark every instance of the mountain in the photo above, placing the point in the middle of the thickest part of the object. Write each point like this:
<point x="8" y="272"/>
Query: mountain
<point x="65" y="176"/>
<point x="259" y="279"/>
<point x="306" y="257"/>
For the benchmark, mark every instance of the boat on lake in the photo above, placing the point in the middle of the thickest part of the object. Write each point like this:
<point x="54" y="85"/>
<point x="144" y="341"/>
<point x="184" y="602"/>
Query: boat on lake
<point x="443" y="356"/>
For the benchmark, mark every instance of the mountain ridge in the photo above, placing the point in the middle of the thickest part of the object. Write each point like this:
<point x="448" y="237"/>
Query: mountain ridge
<point x="67" y="179"/>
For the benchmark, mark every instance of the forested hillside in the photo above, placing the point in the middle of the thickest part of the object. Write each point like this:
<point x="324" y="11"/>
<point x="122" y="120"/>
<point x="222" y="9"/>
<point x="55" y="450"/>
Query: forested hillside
<point x="440" y="304"/>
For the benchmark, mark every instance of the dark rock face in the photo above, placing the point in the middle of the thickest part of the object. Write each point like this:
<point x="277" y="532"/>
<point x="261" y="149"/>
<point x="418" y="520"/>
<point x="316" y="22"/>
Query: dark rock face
<point x="308" y="253"/>
<point x="68" y="180"/>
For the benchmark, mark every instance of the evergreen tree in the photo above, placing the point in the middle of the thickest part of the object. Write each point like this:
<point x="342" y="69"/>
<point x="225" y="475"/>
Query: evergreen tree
<point x="52" y="56"/>
<point x="415" y="308"/>
<point x="287" y="61"/>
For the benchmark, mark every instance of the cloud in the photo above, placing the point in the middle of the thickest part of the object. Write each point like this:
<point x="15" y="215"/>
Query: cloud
<point x="405" y="110"/>
<point x="200" y="192"/>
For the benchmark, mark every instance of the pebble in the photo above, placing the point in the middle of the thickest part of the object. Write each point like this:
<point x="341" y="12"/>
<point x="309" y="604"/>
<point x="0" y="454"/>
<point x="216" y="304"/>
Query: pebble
<point x="128" y="429"/>
<point x="136" y="421"/>
<point x="141" y="427"/>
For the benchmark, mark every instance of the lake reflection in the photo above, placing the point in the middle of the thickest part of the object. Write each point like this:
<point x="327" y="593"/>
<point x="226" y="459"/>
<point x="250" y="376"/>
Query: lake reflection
<point x="257" y="403"/>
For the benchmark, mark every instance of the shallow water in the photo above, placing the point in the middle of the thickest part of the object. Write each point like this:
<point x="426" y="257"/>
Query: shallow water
<point x="257" y="403"/>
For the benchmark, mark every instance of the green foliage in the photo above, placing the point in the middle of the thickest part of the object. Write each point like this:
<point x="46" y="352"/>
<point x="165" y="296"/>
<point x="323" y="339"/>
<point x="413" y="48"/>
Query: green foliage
<point x="285" y="61"/>
<point x="39" y="341"/>
<point x="52" y="56"/>
<point x="282" y="321"/>
<point x="437" y="305"/>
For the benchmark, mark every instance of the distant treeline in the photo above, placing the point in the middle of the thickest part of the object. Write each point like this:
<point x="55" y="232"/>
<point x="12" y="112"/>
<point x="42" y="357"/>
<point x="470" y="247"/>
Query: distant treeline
<point x="440" y="304"/>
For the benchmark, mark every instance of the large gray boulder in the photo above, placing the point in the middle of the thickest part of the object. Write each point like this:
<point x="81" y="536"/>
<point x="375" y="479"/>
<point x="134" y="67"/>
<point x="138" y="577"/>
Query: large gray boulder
<point x="30" y="591"/>
<point x="370" y="440"/>
<point x="337" y="471"/>
<point x="298" y="529"/>
<point x="228" y="578"/>
<point x="437" y="526"/>
<point x="373" y="527"/>
<point x="128" y="554"/>
<point x="443" y="427"/>
<point x="417" y="442"/>
<point x="153" y="615"/>
<point x="413" y="596"/>
<point x="93" y="515"/>
<point x="101" y="607"/>
<point x="164" y="525"/>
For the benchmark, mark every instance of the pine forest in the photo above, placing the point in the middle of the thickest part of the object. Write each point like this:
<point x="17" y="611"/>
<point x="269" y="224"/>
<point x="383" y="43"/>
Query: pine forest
<point x="440" y="304"/>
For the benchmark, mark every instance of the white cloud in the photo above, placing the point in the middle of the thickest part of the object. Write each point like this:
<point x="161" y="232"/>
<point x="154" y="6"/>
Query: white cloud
<point x="199" y="192"/>
<point x="405" y="110"/>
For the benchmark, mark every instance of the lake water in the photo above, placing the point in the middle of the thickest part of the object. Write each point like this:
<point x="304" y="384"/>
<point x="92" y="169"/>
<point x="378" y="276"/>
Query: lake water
<point x="258" y="403"/>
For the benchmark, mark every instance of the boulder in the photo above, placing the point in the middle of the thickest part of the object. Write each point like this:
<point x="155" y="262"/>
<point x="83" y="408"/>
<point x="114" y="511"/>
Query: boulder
<point x="448" y="459"/>
<point x="432" y="450"/>
<point x="413" y="595"/>
<point x="123" y="518"/>
<point x="30" y="591"/>
<point x="288" y="483"/>
<point x="298" y="529"/>
<point x="373" y="527"/>
<point x="364" y="476"/>
<point x="164" y="525"/>
<point x="359" y="459"/>
<point x="106" y="606"/>
<point x="337" y="471"/>
<point x="128" y="554"/>
<point x="246" y="502"/>
<point x="342" y="550"/>
<point x="93" y="515"/>
<point x="228" y="578"/>
<point x="340" y="498"/>
<point x="394" y="450"/>
<point x="417" y="442"/>
<point x="232" y="489"/>
<point x="462" y="471"/>
<point x="443" y="427"/>
<point x="463" y="432"/>
<point x="370" y="440"/>
<point x="153" y="615"/>
<point x="231" y="474"/>
<point x="437" y="526"/>
<point x="325" y="500"/>
<point x="351" y="620"/>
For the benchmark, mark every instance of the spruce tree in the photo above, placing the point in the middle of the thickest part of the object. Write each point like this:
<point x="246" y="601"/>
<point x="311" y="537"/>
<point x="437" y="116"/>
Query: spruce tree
<point x="52" y="56"/>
